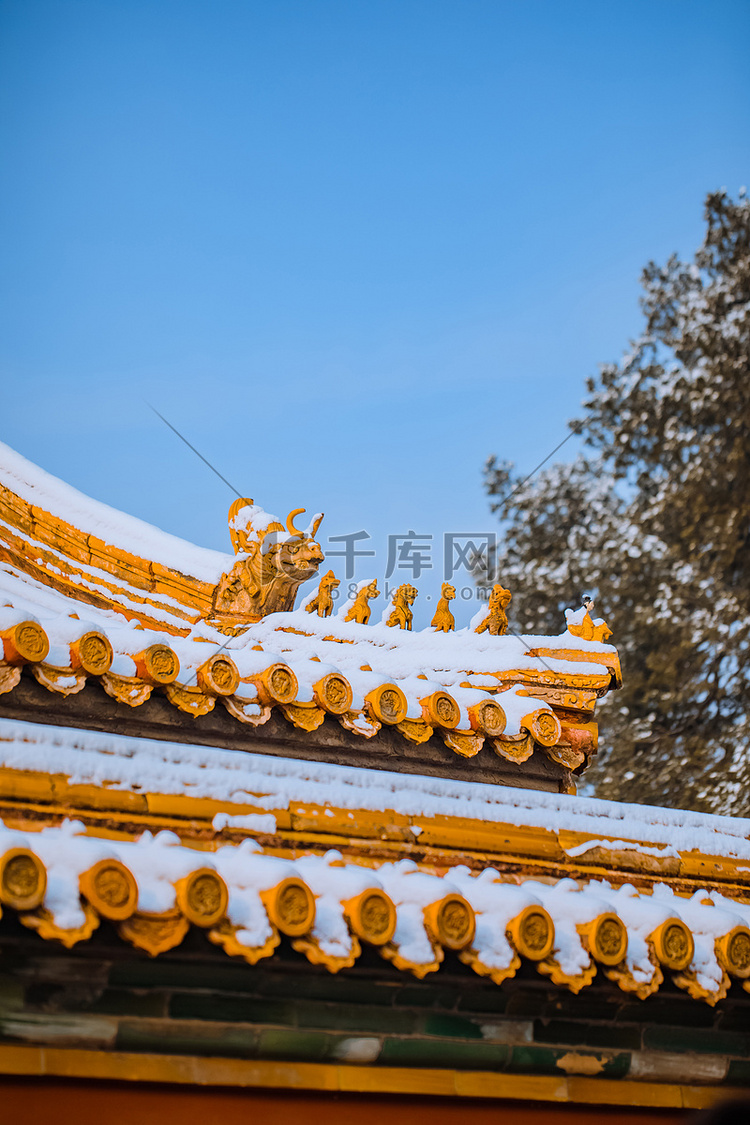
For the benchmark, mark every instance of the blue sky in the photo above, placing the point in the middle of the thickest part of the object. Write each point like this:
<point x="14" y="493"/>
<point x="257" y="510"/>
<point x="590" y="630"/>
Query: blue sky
<point x="349" y="248"/>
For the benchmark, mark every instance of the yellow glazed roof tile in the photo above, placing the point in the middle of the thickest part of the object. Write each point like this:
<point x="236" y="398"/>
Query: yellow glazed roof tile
<point x="61" y="882"/>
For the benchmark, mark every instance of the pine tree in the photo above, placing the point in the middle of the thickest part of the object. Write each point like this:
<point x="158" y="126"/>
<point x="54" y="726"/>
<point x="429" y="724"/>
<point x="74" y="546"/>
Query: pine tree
<point x="654" y="518"/>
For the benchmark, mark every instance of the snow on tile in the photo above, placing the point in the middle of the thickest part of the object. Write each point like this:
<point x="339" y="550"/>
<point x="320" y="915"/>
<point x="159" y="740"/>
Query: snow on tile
<point x="271" y="783"/>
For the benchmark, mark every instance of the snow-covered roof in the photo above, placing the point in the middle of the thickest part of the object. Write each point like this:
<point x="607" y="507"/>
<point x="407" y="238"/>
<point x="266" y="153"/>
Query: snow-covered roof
<point x="253" y="862"/>
<point x="62" y="882"/>
<point x="425" y="864"/>
<point x="261" y="791"/>
<point x="88" y="594"/>
<point x="255" y="794"/>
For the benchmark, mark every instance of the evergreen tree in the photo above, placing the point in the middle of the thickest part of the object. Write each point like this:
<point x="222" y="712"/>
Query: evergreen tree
<point x="654" y="519"/>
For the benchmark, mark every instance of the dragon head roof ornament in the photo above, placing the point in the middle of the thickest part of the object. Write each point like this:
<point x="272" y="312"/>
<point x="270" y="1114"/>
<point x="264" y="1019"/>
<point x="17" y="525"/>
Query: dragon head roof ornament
<point x="272" y="561"/>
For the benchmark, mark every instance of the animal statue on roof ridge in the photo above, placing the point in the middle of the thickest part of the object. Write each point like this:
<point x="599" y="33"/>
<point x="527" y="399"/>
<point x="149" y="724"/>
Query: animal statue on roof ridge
<point x="322" y="602"/>
<point x="359" y="610"/>
<point x="444" y="621"/>
<point x="273" y="561"/>
<point x="496" y="621"/>
<point x="582" y="624"/>
<point x="403" y="599"/>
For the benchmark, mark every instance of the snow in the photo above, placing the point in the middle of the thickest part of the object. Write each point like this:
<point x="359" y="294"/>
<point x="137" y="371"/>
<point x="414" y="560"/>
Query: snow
<point x="250" y="822"/>
<point x="254" y="518"/>
<point x="419" y="662"/>
<point x="617" y="846"/>
<point x="268" y="784"/>
<point x="10" y="616"/>
<point x="446" y="657"/>
<point x="158" y="862"/>
<point x="333" y="883"/>
<point x="496" y="904"/>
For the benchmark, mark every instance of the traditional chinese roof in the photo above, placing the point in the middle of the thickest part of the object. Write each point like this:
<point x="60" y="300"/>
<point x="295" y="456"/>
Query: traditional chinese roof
<point x="245" y="883"/>
<point x="260" y="798"/>
<point x="89" y="596"/>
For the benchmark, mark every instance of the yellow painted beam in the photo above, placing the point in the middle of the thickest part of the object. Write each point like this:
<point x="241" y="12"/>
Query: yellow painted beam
<point x="55" y="1062"/>
<point x="29" y="799"/>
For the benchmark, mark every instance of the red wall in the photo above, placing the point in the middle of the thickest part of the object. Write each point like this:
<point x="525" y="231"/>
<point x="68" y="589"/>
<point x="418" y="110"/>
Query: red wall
<point x="29" y="1101"/>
